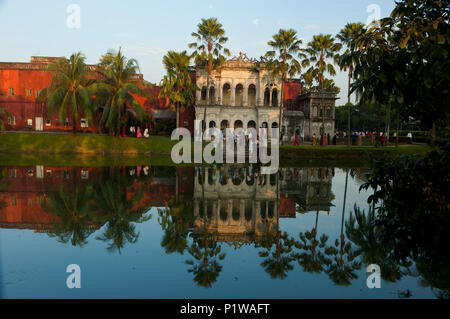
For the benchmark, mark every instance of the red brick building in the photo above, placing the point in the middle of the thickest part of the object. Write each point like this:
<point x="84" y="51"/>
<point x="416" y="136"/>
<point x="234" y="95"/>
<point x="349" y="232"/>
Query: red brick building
<point x="21" y="83"/>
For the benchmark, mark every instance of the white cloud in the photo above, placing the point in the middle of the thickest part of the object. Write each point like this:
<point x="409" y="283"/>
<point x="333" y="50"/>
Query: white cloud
<point x="255" y="21"/>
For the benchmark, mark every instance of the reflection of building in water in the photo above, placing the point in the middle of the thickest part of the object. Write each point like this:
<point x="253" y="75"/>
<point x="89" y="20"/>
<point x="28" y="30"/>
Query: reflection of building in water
<point x="309" y="188"/>
<point x="26" y="189"/>
<point x="240" y="204"/>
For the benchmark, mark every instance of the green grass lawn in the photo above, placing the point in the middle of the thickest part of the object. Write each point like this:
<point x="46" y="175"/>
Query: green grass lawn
<point x="101" y="150"/>
<point x="88" y="144"/>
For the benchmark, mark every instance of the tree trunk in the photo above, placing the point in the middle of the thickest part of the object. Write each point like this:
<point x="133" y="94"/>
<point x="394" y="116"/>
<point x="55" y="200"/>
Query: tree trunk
<point x="281" y="108"/>
<point x="348" y="110"/>
<point x="398" y="123"/>
<point x="433" y="134"/>
<point x="178" y="115"/>
<point x="323" y="116"/>
<point x="388" y="122"/>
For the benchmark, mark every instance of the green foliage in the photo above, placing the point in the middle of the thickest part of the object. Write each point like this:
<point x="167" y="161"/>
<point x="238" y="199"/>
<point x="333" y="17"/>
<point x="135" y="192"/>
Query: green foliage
<point x="68" y="92"/>
<point x="319" y="51"/>
<point x="209" y="51"/>
<point x="404" y="62"/>
<point x="282" y="58"/>
<point x="412" y="198"/>
<point x="176" y="86"/>
<point x="115" y="90"/>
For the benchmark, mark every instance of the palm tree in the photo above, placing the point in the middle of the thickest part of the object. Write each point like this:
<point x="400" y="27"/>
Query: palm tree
<point x="209" y="51"/>
<point x="69" y="89"/>
<point x="348" y="36"/>
<point x="286" y="46"/>
<point x="3" y="112"/>
<point x="175" y="220"/>
<point x="321" y="49"/>
<point x="277" y="263"/>
<point x="177" y="86"/>
<point x="363" y="231"/>
<point x="118" y="210"/>
<point x="116" y="89"/>
<point x="73" y="209"/>
<point x="205" y="265"/>
<point x="342" y="271"/>
<point x="312" y="257"/>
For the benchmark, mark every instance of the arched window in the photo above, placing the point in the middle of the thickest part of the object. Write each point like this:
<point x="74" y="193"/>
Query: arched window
<point x="263" y="209"/>
<point x="274" y="97"/>
<point x="223" y="213"/>
<point x="236" y="214"/>
<point x="251" y="124"/>
<point x="212" y="124"/>
<point x="223" y="125"/>
<point x="266" y="97"/>
<point x="204" y="93"/>
<point x="328" y="112"/>
<point x="239" y="95"/>
<point x="252" y="95"/>
<point x="226" y="94"/>
<point x="212" y="97"/>
<point x="238" y="124"/>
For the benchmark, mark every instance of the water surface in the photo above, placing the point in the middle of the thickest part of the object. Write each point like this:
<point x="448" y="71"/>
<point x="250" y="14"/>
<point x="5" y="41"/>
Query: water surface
<point x="191" y="232"/>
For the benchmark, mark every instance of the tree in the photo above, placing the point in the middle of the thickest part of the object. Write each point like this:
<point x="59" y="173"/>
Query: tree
<point x="176" y="86"/>
<point x="403" y="60"/>
<point x="209" y="51"/>
<point x="342" y="270"/>
<point x="277" y="262"/>
<point x="116" y="88"/>
<point x="175" y="220"/>
<point x="321" y="49"/>
<point x="421" y="30"/>
<point x="119" y="209"/>
<point x="69" y="90"/>
<point x="207" y="253"/>
<point x="3" y="112"/>
<point x="73" y="209"/>
<point x="282" y="61"/>
<point x="348" y="36"/>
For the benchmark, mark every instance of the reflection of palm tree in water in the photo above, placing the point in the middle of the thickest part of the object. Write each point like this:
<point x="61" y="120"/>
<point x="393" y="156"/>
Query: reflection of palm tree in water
<point x="313" y="256"/>
<point x="206" y="253"/>
<point x="362" y="231"/>
<point x="119" y="211"/>
<point x="277" y="263"/>
<point x="73" y="208"/>
<point x="175" y="220"/>
<point x="3" y="185"/>
<point x="341" y="272"/>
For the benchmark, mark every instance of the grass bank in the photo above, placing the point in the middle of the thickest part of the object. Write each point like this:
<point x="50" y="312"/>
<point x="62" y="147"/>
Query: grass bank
<point x="99" y="150"/>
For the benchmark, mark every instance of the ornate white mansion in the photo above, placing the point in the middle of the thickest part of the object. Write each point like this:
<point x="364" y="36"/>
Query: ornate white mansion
<point x="243" y="94"/>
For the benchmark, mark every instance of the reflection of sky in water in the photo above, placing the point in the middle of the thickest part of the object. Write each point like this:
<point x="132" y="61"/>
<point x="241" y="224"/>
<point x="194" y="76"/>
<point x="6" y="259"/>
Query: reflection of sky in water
<point x="33" y="264"/>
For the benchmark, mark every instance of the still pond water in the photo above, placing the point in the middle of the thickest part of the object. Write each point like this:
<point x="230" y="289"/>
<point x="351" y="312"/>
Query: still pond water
<point x="190" y="232"/>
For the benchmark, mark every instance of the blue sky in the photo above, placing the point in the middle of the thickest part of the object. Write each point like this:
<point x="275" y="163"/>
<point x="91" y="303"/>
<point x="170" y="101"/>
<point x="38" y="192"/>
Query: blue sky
<point x="147" y="29"/>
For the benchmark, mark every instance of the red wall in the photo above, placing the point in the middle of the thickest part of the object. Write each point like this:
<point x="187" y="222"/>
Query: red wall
<point x="292" y="90"/>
